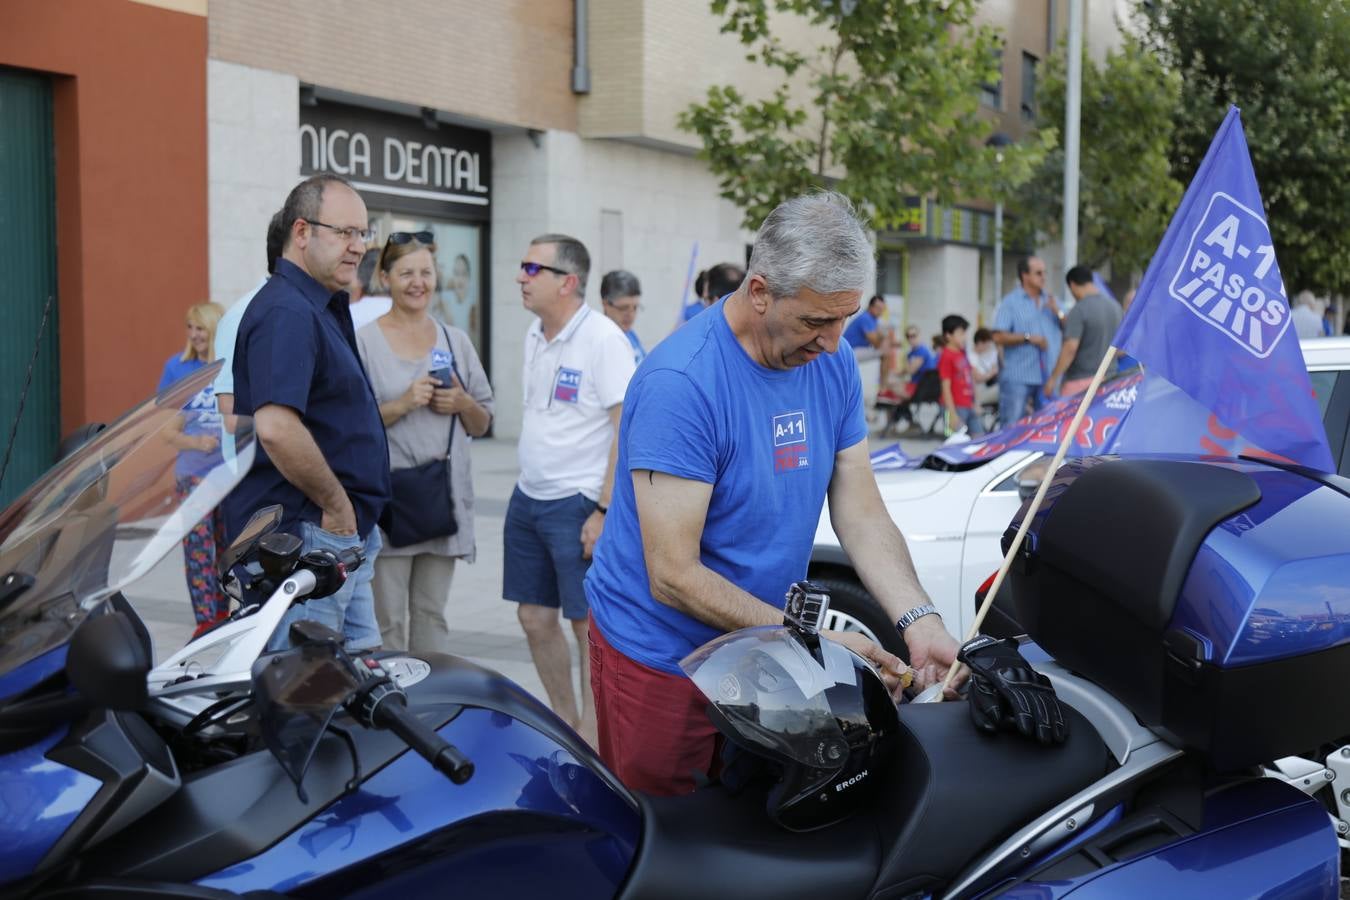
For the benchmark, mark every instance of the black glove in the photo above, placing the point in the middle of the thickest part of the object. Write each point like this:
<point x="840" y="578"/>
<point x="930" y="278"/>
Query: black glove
<point x="1006" y="693"/>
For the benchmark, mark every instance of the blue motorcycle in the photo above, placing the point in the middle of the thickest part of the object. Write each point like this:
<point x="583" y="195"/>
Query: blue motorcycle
<point x="1195" y="632"/>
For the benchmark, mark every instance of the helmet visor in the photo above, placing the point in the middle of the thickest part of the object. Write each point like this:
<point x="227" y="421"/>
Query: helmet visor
<point x="773" y="692"/>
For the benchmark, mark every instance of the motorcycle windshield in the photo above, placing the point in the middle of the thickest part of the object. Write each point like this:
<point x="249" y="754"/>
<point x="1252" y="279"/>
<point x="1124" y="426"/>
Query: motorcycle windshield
<point x="102" y="517"/>
<point x="772" y="690"/>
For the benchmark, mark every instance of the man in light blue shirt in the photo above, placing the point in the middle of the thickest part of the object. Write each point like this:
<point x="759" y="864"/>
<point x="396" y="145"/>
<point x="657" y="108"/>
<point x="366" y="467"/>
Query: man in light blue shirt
<point x="1027" y="327"/>
<point x="228" y="329"/>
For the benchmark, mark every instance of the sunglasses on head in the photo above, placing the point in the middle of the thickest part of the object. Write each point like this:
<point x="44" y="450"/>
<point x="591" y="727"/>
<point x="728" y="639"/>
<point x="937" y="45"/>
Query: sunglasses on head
<point x="403" y="237"/>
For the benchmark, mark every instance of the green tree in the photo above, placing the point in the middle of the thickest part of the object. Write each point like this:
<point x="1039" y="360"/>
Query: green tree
<point x="1285" y="64"/>
<point x="1126" y="189"/>
<point x="889" y="105"/>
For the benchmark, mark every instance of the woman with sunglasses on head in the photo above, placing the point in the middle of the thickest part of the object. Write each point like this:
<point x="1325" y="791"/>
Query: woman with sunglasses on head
<point x="434" y="396"/>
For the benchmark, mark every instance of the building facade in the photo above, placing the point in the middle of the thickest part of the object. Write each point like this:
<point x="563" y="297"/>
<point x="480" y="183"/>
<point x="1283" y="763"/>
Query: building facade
<point x="486" y="123"/>
<point x="462" y="117"/>
<point x="103" y="205"/>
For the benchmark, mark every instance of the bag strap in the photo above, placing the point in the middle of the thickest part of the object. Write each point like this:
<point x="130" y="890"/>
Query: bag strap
<point x="455" y="369"/>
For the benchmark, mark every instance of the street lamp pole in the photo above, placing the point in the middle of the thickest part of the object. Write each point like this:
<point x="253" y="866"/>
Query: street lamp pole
<point x="998" y="140"/>
<point x="1072" y="109"/>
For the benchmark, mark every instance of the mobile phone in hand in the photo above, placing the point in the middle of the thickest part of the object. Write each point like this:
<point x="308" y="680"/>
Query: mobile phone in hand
<point x="440" y="366"/>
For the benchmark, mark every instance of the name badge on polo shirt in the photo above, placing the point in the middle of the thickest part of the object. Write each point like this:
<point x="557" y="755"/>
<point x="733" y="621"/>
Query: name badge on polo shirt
<point x="567" y="385"/>
<point x="789" y="442"/>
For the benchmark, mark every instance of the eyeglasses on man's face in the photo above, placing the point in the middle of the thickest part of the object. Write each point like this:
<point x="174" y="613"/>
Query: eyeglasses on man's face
<point x="533" y="268"/>
<point x="349" y="233"/>
<point x="626" y="308"/>
<point x="403" y="237"/>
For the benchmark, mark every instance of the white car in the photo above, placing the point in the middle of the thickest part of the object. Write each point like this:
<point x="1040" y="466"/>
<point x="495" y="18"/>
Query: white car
<point x="953" y="516"/>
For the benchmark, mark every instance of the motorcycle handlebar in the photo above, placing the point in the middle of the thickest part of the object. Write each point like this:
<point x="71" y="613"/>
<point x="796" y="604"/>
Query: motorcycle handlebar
<point x="394" y="715"/>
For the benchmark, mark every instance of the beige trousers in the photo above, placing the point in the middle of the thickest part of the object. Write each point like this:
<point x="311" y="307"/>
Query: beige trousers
<point x="412" y="601"/>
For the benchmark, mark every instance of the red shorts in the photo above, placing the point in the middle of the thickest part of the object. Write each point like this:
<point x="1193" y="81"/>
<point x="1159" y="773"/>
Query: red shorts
<point x="653" y="726"/>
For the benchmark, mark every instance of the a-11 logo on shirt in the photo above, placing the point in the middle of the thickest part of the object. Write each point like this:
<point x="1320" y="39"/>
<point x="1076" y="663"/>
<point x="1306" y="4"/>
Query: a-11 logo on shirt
<point x="567" y="385"/>
<point x="789" y="442"/>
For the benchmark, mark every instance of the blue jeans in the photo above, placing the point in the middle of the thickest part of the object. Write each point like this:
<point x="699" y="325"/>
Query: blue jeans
<point x="351" y="611"/>
<point x="1012" y="401"/>
<point x="971" y="418"/>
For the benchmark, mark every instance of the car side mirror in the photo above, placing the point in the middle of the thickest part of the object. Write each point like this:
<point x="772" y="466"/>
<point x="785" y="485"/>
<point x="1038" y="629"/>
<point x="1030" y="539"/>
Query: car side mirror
<point x="107" y="662"/>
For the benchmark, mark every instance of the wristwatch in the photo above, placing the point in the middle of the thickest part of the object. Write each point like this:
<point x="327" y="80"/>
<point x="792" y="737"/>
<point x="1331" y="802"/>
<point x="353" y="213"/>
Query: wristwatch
<point x="909" y="617"/>
<point x="1026" y="337"/>
<point x="602" y="509"/>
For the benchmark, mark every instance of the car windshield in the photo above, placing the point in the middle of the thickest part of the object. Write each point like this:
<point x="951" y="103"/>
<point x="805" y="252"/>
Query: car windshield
<point x="101" y="518"/>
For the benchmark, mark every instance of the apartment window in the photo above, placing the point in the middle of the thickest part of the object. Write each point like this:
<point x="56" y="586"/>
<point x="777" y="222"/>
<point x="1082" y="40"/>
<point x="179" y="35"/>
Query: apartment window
<point x="991" y="95"/>
<point x="1028" y="85"/>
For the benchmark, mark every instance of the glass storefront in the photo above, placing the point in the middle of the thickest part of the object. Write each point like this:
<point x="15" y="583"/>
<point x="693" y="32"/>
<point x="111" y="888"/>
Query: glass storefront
<point x="459" y="256"/>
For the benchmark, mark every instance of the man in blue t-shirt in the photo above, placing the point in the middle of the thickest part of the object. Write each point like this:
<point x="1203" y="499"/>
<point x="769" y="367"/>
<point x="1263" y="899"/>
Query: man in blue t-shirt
<point x="734" y="431"/>
<point x="869" y="338"/>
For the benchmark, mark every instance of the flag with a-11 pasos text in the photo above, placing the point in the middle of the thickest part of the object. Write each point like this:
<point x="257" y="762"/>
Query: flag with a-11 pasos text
<point x="1211" y="321"/>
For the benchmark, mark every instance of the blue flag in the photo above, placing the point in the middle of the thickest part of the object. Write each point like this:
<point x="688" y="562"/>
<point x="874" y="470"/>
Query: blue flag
<point x="1211" y="320"/>
<point x="1044" y="429"/>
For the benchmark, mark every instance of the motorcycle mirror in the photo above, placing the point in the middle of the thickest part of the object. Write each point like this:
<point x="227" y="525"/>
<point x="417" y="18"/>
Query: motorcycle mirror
<point x="107" y="662"/>
<point x="1029" y="479"/>
<point x="260" y="523"/>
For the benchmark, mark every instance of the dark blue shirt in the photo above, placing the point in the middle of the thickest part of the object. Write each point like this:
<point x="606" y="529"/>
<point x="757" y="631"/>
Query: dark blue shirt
<point x="296" y="348"/>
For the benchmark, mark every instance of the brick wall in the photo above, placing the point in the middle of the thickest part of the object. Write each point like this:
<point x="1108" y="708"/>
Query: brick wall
<point x="651" y="58"/>
<point x="507" y="61"/>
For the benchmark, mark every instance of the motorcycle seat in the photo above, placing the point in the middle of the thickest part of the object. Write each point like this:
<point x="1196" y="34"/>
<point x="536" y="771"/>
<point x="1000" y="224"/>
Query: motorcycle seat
<point x="952" y="793"/>
<point x="956" y="792"/>
<point x="715" y="844"/>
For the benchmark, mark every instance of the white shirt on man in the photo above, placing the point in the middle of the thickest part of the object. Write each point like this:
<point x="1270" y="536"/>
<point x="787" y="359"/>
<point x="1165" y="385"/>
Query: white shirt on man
<point x="368" y="309"/>
<point x="570" y="384"/>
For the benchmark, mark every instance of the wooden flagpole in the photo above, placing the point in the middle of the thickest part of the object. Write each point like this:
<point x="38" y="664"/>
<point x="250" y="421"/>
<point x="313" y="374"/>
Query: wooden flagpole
<point x="1032" y="509"/>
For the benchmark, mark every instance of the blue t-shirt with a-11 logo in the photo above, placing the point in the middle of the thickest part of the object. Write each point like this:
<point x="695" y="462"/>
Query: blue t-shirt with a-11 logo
<point x="700" y="408"/>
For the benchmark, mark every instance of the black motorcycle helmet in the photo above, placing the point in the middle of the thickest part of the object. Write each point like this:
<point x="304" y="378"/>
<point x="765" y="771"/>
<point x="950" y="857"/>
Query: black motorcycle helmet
<point x="820" y="715"/>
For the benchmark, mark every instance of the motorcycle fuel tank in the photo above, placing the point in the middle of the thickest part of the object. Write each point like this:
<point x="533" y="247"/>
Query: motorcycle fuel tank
<point x="1209" y="595"/>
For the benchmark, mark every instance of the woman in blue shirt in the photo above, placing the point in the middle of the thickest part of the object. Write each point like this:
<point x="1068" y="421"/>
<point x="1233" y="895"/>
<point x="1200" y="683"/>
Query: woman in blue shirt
<point x="197" y="437"/>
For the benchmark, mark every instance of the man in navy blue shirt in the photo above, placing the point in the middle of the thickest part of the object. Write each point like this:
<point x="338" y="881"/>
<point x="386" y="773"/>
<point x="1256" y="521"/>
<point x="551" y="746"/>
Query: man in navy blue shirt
<point x="323" y="454"/>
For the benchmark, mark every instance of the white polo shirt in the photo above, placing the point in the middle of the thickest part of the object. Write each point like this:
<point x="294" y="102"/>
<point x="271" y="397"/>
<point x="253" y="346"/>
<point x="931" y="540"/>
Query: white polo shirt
<point x="570" y="384"/>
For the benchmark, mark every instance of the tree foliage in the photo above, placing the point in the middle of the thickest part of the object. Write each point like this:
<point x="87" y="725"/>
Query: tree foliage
<point x="1286" y="65"/>
<point x="889" y="104"/>
<point x="1126" y="190"/>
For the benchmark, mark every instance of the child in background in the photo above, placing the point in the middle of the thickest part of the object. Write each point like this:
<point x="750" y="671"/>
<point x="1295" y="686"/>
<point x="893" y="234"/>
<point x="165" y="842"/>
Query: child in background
<point x="958" y="389"/>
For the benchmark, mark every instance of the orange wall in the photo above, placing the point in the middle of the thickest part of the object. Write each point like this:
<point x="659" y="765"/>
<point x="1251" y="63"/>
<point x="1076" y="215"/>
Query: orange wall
<point x="129" y="110"/>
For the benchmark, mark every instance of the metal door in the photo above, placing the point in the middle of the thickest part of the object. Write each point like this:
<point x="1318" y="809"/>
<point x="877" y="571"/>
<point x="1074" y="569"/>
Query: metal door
<point x="27" y="279"/>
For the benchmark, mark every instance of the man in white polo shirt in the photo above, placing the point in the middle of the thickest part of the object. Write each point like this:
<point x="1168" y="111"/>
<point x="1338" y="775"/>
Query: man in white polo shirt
<point x="577" y="367"/>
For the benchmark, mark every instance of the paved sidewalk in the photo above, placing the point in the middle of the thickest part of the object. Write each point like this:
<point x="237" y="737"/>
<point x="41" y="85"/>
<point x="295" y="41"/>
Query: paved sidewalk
<point x="485" y="629"/>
